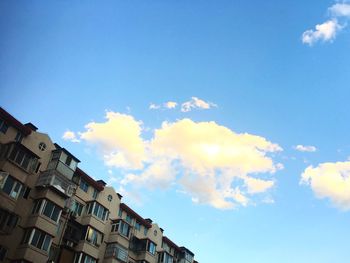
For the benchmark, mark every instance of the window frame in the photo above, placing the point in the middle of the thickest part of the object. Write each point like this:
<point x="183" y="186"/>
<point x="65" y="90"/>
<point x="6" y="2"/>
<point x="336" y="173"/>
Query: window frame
<point x="122" y="227"/>
<point x="98" y="210"/>
<point x="40" y="206"/>
<point x="83" y="185"/>
<point x="14" y="184"/>
<point x="3" y="126"/>
<point x="37" y="238"/>
<point x="93" y="236"/>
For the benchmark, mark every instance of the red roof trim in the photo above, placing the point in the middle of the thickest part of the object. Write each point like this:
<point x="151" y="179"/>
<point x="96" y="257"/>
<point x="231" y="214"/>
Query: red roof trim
<point x="171" y="243"/>
<point x="89" y="180"/>
<point x="12" y="121"/>
<point x="140" y="219"/>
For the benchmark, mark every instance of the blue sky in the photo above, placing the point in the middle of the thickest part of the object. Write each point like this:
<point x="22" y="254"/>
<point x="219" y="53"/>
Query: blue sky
<point x="219" y="167"/>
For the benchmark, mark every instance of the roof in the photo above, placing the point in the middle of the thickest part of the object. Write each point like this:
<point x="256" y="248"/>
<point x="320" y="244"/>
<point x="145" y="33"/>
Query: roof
<point x="58" y="147"/>
<point x="131" y="212"/>
<point x="98" y="186"/>
<point x="12" y="121"/>
<point x="171" y="243"/>
<point x="187" y="250"/>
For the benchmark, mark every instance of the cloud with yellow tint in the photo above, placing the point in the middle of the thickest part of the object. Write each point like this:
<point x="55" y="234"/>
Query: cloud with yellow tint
<point x="330" y="180"/>
<point x="209" y="162"/>
<point x="118" y="139"/>
<point x="212" y="157"/>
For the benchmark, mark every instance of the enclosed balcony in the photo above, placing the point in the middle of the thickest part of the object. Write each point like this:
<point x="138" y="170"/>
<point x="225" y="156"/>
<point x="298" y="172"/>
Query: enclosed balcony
<point x="52" y="178"/>
<point x="63" y="162"/>
<point x="60" y="172"/>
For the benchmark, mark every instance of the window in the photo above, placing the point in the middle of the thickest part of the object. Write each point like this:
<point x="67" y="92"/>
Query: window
<point x="84" y="258"/>
<point x="120" y="213"/>
<point x="3" y="176"/>
<point x="11" y="186"/>
<point x="47" y="208"/>
<point x="3" y="126"/>
<point x="19" y="137"/>
<point x="95" y="194"/>
<point x="42" y="146"/>
<point x="84" y="185"/>
<point x="3" y="252"/>
<point x="8" y="221"/>
<point x="137" y="226"/>
<point x="37" y="238"/>
<point x="22" y="158"/>
<point x="188" y="257"/>
<point x="98" y="210"/>
<point x="77" y="207"/>
<point x="145" y="231"/>
<point x="122" y="228"/>
<point x="116" y="251"/>
<point x="166" y="258"/>
<point x="151" y="247"/>
<point x="93" y="236"/>
<point x="109" y="198"/>
<point x="128" y="219"/>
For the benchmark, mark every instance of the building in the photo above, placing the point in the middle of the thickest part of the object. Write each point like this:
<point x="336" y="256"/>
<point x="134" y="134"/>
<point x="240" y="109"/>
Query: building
<point x="52" y="211"/>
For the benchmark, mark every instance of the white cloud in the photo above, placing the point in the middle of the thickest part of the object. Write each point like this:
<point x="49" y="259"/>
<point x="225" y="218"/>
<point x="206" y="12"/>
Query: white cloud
<point x="339" y="15"/>
<point x="193" y="103"/>
<point x="118" y="139"/>
<point x="196" y="103"/>
<point x="153" y="106"/>
<point x="209" y="162"/>
<point x="330" y="180"/>
<point x="323" y="32"/>
<point x="305" y="148"/>
<point x="70" y="136"/>
<point x="257" y="185"/>
<point x="340" y="10"/>
<point x="170" y="105"/>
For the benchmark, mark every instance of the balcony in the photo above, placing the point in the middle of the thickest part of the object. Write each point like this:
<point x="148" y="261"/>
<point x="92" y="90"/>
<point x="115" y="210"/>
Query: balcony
<point x="53" y="178"/>
<point x="73" y="233"/>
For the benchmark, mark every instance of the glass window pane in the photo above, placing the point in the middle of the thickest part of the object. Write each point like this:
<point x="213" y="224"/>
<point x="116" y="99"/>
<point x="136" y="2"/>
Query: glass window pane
<point x="16" y="190"/>
<point x="19" y="157"/>
<point x="35" y="239"/>
<point x="46" y="243"/>
<point x="8" y="185"/>
<point x="25" y="162"/>
<point x="48" y="209"/>
<point x="55" y="213"/>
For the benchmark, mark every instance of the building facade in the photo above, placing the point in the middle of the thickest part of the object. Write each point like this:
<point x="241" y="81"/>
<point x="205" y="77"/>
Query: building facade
<point x="52" y="211"/>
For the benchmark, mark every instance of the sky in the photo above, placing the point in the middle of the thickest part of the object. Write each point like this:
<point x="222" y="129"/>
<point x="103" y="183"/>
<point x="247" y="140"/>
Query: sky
<point x="226" y="122"/>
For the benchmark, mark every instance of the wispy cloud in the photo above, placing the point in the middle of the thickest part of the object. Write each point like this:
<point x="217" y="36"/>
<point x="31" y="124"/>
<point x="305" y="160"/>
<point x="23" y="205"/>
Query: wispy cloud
<point x="170" y="104"/>
<point x="330" y="180"/>
<point x="196" y="103"/>
<point x="340" y="10"/>
<point x="211" y="163"/>
<point x="165" y="105"/>
<point x="153" y="106"/>
<point x="70" y="136"/>
<point x="305" y="148"/>
<point x="327" y="31"/>
<point x="193" y="103"/>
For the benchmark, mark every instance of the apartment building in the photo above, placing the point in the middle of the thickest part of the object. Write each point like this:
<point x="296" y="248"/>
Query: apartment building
<point x="52" y="211"/>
